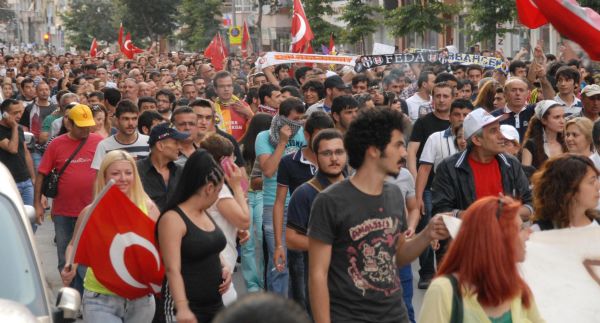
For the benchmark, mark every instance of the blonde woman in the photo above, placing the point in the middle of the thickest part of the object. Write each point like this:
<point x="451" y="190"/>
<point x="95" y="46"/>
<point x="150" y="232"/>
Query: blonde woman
<point x="99" y="303"/>
<point x="578" y="137"/>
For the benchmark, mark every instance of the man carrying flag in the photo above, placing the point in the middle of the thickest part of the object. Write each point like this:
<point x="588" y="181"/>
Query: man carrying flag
<point x="114" y="237"/>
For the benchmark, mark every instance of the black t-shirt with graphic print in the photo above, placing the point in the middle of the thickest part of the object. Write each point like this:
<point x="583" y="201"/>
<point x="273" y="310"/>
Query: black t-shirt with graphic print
<point x="363" y="231"/>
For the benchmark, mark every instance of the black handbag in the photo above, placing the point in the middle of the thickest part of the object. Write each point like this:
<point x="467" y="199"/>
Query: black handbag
<point x="50" y="183"/>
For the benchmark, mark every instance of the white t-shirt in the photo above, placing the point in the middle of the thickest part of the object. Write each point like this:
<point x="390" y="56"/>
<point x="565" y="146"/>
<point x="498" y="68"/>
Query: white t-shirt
<point x="139" y="149"/>
<point x="405" y="182"/>
<point x="414" y="102"/>
<point x="596" y="160"/>
<point x="438" y="146"/>
<point x="229" y="254"/>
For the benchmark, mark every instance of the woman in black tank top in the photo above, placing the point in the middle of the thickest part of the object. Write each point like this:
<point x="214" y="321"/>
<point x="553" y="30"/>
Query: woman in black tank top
<point x="190" y="243"/>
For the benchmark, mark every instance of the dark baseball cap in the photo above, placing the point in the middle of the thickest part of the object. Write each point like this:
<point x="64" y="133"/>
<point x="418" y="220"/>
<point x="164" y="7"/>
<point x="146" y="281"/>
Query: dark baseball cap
<point x="335" y="81"/>
<point x="163" y="131"/>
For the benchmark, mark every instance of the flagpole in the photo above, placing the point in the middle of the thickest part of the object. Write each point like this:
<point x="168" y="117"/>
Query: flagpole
<point x="84" y="220"/>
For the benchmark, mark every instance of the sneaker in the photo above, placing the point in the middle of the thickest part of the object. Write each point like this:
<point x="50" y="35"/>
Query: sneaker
<point x="423" y="283"/>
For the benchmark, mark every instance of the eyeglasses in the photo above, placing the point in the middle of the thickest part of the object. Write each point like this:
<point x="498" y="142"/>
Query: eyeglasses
<point x="328" y="153"/>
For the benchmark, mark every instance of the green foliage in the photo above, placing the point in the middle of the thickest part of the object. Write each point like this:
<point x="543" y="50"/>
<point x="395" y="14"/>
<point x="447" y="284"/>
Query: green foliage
<point x="200" y="21"/>
<point x="314" y="10"/>
<point x="485" y="16"/>
<point x="433" y="15"/>
<point x="361" y="19"/>
<point x="594" y="4"/>
<point x="149" y="19"/>
<point x="87" y="19"/>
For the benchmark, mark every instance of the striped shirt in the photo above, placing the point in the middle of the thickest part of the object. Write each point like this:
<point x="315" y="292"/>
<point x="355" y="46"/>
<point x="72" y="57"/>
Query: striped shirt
<point x="139" y="149"/>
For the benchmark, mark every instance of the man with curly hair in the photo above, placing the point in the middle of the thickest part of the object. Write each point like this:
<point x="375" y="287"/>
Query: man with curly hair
<point x="355" y="229"/>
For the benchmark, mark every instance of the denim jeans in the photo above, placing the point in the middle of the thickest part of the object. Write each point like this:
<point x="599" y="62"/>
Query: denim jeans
<point x="298" y="277"/>
<point x="26" y="191"/>
<point x="277" y="282"/>
<point x="252" y="255"/>
<point x="406" y="278"/>
<point x="111" y="308"/>
<point x="36" y="156"/>
<point x="63" y="229"/>
<point x="427" y="270"/>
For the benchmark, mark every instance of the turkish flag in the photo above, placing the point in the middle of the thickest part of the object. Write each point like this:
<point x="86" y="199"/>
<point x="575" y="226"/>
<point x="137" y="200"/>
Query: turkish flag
<point x="94" y="48"/>
<point x="246" y="42"/>
<point x="301" y="32"/>
<point x="579" y="24"/>
<point x="118" y="243"/>
<point x="216" y="51"/>
<point x="529" y="14"/>
<point x="332" y="49"/>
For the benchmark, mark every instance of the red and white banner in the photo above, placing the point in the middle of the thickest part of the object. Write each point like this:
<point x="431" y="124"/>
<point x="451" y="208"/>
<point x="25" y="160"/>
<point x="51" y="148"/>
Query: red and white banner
<point x="116" y="239"/>
<point x="246" y="41"/>
<point x="277" y="58"/>
<point x="301" y="32"/>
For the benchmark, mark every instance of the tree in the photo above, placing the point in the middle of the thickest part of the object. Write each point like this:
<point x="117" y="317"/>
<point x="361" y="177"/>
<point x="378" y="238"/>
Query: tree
<point x="314" y="10"/>
<point x="593" y="4"/>
<point x="87" y="19"/>
<point x="486" y="17"/>
<point x="360" y="17"/>
<point x="420" y="17"/>
<point x="200" y="21"/>
<point x="149" y="19"/>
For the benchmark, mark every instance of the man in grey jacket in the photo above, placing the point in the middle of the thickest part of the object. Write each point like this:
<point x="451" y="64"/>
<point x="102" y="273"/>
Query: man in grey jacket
<point x="482" y="170"/>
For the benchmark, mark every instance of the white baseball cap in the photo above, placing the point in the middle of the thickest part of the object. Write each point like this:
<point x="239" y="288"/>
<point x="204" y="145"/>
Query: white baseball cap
<point x="509" y="132"/>
<point x="477" y="119"/>
<point x="591" y="90"/>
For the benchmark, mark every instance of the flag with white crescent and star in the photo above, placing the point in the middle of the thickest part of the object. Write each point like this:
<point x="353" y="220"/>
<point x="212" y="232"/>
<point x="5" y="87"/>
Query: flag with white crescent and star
<point x="116" y="240"/>
<point x="301" y="32"/>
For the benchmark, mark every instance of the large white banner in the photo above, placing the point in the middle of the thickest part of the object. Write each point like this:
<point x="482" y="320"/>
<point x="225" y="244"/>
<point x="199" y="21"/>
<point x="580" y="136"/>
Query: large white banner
<point x="562" y="268"/>
<point x="277" y="58"/>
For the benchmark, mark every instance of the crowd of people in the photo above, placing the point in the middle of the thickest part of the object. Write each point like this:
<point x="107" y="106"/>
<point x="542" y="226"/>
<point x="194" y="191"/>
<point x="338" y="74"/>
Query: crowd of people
<point x="319" y="184"/>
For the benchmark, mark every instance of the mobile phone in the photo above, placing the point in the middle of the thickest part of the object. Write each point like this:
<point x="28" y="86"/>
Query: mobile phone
<point x="227" y="164"/>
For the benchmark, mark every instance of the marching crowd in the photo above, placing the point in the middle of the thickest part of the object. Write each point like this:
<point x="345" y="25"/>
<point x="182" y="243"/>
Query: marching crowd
<point x="324" y="184"/>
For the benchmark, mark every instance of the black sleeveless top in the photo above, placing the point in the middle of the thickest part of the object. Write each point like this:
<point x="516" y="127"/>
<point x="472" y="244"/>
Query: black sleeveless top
<point x="200" y="266"/>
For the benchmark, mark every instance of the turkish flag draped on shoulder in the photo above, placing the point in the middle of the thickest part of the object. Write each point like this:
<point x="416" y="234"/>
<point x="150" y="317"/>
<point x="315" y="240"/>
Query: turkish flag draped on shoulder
<point x="216" y="51"/>
<point x="94" y="48"/>
<point x="301" y="32"/>
<point x="117" y="242"/>
<point x="529" y="14"/>
<point x="579" y="24"/>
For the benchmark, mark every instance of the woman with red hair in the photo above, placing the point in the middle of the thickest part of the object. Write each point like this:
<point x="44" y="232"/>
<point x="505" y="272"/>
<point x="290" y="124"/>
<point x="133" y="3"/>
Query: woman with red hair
<point x="483" y="259"/>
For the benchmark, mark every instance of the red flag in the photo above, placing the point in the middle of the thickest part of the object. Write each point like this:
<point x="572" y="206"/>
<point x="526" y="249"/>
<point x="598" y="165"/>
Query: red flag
<point x="581" y="25"/>
<point x="301" y="32"/>
<point x="332" y="49"/>
<point x="127" y="49"/>
<point x="246" y="42"/>
<point x="94" y="48"/>
<point x="121" y="45"/>
<point x="118" y="242"/>
<point x="529" y="14"/>
<point x="216" y="51"/>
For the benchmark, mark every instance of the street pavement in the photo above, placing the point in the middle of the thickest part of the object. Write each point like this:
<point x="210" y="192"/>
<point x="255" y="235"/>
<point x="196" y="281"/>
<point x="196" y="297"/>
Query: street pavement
<point x="47" y="251"/>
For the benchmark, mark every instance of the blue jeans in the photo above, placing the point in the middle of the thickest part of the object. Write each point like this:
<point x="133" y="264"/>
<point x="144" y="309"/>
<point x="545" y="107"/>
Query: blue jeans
<point x="36" y="156"/>
<point x="277" y="282"/>
<point x="251" y="251"/>
<point x="115" y="309"/>
<point x="63" y="229"/>
<point x="427" y="270"/>
<point x="26" y="191"/>
<point x="298" y="266"/>
<point x="406" y="278"/>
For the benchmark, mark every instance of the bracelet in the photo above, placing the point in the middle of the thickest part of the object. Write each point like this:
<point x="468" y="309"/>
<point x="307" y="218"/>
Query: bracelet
<point x="278" y="247"/>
